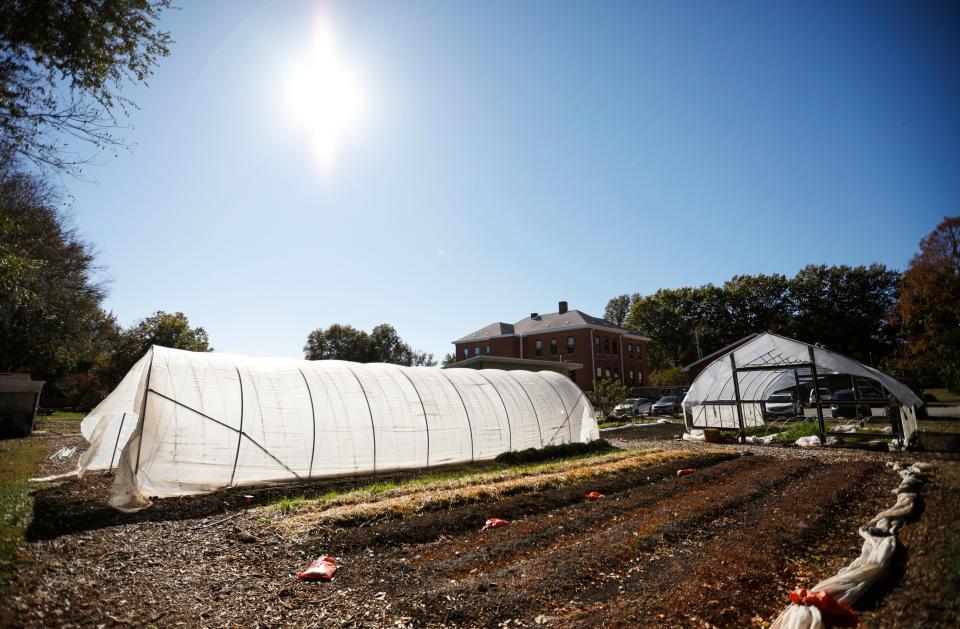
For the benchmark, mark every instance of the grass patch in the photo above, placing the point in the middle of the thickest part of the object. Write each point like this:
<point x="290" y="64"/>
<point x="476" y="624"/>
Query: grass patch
<point x="549" y="453"/>
<point x="18" y="462"/>
<point x="941" y="396"/>
<point x="614" y="423"/>
<point x="466" y="486"/>
<point x="64" y="415"/>
<point x="786" y="433"/>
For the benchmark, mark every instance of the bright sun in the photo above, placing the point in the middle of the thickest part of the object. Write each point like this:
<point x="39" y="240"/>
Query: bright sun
<point x="323" y="96"/>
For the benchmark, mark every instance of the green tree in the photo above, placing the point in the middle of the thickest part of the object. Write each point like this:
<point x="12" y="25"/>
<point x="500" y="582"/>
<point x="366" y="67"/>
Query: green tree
<point x="449" y="359"/>
<point x="50" y="315"/>
<point x="929" y="305"/>
<point x="846" y="309"/>
<point x="618" y="308"/>
<point x="382" y="345"/>
<point x="606" y="394"/>
<point x="670" y="377"/>
<point x="161" y="328"/>
<point x="62" y="64"/>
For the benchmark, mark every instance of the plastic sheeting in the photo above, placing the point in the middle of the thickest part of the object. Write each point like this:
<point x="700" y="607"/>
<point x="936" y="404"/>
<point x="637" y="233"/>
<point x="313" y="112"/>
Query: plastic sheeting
<point x="879" y="545"/>
<point x="192" y="422"/>
<point x="716" y="383"/>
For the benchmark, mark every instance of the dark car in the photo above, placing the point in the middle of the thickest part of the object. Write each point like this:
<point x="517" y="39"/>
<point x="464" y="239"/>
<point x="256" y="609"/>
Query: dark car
<point x="848" y="411"/>
<point x="667" y="405"/>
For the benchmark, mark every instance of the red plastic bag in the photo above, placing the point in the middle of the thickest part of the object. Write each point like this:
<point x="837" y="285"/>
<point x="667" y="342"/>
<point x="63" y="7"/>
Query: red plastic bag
<point x="835" y="613"/>
<point x="685" y="471"/>
<point x="494" y="523"/>
<point x="594" y="495"/>
<point x="322" y="569"/>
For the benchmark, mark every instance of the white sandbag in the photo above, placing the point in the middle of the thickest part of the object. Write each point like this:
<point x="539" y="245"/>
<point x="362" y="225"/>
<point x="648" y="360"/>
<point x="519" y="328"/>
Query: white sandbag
<point x="799" y="617"/>
<point x="694" y="435"/>
<point x="813" y="441"/>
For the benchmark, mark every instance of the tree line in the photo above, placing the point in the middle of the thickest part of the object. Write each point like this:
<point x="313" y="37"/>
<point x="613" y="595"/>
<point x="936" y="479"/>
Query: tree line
<point x="905" y="323"/>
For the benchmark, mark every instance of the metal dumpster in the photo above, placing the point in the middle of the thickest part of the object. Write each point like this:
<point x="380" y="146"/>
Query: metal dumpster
<point x="19" y="400"/>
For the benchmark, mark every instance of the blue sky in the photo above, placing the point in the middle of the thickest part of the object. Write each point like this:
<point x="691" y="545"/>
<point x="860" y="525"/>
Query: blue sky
<point x="507" y="155"/>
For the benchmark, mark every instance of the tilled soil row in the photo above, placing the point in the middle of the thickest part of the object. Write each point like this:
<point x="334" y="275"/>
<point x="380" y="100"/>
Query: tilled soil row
<point x="468" y="518"/>
<point x="713" y="547"/>
<point x="559" y="562"/>
<point x="735" y="571"/>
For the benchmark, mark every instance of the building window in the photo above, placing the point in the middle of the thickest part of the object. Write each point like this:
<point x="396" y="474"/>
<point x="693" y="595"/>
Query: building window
<point x="538" y="347"/>
<point x="606" y="345"/>
<point x="571" y="348"/>
<point x="596" y="344"/>
<point x="615" y="350"/>
<point x="608" y="373"/>
<point x="630" y="350"/>
<point x="466" y="353"/>
<point x="554" y="347"/>
<point x="476" y="351"/>
<point x="616" y="373"/>
<point x="640" y="378"/>
<point x="599" y="372"/>
<point x="631" y="376"/>
<point x="488" y="350"/>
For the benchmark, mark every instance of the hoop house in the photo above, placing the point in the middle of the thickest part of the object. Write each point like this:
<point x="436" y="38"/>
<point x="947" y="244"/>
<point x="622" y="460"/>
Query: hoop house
<point x="192" y="422"/>
<point x="731" y="392"/>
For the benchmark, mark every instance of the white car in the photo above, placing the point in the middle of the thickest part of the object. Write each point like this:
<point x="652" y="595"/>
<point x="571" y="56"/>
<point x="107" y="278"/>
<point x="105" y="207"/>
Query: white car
<point x="781" y="404"/>
<point x="633" y="407"/>
<point x="825" y="396"/>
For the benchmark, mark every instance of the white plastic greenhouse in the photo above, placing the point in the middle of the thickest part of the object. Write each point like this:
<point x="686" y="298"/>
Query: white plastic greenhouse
<point x="730" y="393"/>
<point x="193" y="422"/>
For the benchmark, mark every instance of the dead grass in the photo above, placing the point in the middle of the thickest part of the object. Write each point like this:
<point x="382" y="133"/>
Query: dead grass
<point x="372" y="503"/>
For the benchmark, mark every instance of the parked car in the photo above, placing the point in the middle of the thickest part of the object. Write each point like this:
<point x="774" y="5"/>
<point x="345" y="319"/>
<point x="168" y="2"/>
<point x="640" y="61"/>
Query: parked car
<point x="667" y="405"/>
<point x="825" y="396"/>
<point x="781" y="404"/>
<point x="633" y="407"/>
<point x="849" y="411"/>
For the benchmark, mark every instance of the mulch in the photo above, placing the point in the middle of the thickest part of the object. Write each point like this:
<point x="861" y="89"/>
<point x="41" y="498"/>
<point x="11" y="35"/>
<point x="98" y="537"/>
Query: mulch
<point x="720" y="547"/>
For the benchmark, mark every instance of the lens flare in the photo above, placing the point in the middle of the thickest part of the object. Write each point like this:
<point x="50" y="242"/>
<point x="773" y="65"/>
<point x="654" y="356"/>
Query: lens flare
<point x="322" y="95"/>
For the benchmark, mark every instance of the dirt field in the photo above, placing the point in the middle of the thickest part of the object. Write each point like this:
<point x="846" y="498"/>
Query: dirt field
<point x="720" y="547"/>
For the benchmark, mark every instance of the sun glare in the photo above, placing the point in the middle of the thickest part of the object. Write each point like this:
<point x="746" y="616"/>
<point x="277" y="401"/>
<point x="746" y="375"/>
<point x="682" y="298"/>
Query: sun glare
<point x="322" y="96"/>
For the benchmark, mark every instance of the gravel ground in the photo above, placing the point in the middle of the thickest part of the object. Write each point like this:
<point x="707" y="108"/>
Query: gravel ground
<point x="721" y="547"/>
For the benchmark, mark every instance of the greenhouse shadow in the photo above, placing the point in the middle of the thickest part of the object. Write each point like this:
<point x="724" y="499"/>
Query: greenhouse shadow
<point x="79" y="505"/>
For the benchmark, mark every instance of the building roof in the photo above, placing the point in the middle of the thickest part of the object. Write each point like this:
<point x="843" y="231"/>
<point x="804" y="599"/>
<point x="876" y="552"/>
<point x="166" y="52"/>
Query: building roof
<point x="546" y="323"/>
<point x="477" y="362"/>
<point x="488" y="331"/>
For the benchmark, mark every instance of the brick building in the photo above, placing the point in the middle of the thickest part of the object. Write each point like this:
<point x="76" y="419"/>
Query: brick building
<point x="604" y="349"/>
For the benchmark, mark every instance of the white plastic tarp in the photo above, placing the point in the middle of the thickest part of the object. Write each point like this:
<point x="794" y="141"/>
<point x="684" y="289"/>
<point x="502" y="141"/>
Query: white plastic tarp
<point x="716" y="383"/>
<point x="191" y="422"/>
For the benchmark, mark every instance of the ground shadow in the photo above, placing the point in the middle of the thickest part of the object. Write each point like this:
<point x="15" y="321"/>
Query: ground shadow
<point x="80" y="504"/>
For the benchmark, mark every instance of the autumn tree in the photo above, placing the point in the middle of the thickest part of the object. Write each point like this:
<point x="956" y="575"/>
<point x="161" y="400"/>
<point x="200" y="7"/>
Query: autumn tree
<point x="929" y="306"/>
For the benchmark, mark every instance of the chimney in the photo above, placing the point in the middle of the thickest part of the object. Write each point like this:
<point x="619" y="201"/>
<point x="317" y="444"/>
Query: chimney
<point x="563" y="307"/>
<point x="534" y="315"/>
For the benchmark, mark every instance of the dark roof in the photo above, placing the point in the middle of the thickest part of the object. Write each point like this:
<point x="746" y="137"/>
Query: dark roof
<point x="723" y="350"/>
<point x="546" y="322"/>
<point x="479" y="361"/>
<point x="490" y="331"/>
